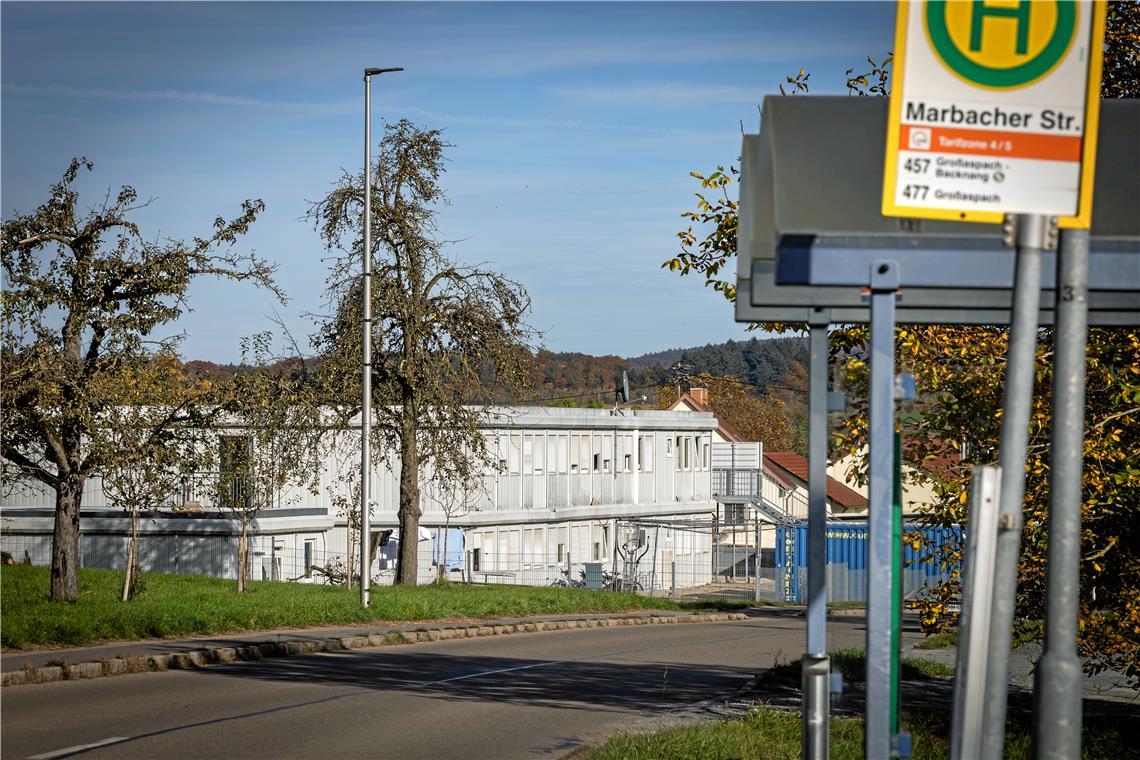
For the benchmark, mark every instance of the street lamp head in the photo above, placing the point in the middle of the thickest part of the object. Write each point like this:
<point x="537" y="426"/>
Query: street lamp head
<point x="372" y="72"/>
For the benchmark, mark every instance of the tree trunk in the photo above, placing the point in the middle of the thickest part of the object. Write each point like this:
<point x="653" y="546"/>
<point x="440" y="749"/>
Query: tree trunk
<point x="65" y="541"/>
<point x="243" y="552"/>
<point x="349" y="579"/>
<point x="131" y="579"/>
<point x="443" y="560"/>
<point x="407" y="565"/>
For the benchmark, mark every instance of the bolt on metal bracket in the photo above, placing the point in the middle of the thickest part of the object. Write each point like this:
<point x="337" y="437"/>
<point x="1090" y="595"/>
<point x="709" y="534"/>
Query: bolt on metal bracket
<point x="884" y="274"/>
<point x="1010" y="232"/>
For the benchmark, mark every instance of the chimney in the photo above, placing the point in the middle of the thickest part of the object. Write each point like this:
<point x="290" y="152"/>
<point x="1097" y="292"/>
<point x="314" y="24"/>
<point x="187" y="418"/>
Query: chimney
<point x="700" y="395"/>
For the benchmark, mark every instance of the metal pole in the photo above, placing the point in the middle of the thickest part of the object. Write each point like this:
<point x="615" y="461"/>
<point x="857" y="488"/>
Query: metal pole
<point x="1031" y="238"/>
<point x="756" y="561"/>
<point x="614" y="577"/>
<point x="974" y="622"/>
<point x="714" y="551"/>
<point x="816" y="665"/>
<point x="656" y="555"/>
<point x="884" y="282"/>
<point x="734" y="525"/>
<point x="1057" y="717"/>
<point x="896" y="579"/>
<point x="366" y="370"/>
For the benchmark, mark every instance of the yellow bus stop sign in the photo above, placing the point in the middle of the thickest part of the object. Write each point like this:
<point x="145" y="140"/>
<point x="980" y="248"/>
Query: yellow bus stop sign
<point x="994" y="109"/>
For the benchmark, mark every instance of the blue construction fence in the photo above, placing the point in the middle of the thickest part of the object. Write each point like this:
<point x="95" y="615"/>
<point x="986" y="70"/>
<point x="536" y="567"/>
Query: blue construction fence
<point x="847" y="561"/>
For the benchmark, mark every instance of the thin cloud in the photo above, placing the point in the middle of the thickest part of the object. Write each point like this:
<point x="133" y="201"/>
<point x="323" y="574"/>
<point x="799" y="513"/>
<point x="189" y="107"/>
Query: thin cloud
<point x="505" y="122"/>
<point x="510" y="52"/>
<point x="326" y="108"/>
<point x="662" y="95"/>
<point x="184" y="96"/>
<point x="495" y="121"/>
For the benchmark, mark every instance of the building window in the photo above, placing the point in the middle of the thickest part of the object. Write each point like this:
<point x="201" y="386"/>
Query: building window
<point x="514" y="454"/>
<point x="558" y="455"/>
<point x="310" y="555"/>
<point x="597" y="551"/>
<point x="580" y="453"/>
<point x="561" y="553"/>
<point x="539" y="454"/>
<point x="233" y="480"/>
<point x="475" y="556"/>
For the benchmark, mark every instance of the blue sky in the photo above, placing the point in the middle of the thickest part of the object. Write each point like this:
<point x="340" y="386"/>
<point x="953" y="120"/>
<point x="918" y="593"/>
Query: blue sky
<point x="575" y="128"/>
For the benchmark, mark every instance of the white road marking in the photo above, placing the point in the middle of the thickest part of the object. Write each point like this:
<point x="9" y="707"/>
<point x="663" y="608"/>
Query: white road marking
<point x="494" y="672"/>
<point x="668" y="645"/>
<point x="78" y="748"/>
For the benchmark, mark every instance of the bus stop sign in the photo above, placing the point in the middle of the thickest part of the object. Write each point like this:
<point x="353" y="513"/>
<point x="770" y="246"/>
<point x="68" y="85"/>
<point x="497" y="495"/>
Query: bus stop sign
<point x="994" y="110"/>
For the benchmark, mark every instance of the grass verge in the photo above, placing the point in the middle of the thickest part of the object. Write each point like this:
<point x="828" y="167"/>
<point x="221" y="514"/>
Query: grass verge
<point x="943" y="640"/>
<point x="775" y="735"/>
<point x="850" y="662"/>
<point x="184" y="605"/>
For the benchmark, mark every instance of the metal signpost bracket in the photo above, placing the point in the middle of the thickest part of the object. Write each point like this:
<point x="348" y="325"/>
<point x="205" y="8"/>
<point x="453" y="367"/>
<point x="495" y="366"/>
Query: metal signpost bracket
<point x="816" y="664"/>
<point x="883" y="280"/>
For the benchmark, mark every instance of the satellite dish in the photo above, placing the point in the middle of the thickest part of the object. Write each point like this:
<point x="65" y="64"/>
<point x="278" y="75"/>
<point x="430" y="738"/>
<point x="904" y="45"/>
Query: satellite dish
<point x="621" y="392"/>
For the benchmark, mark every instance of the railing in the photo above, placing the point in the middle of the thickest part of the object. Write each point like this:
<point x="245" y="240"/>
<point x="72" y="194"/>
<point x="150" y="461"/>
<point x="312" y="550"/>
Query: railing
<point x="749" y="485"/>
<point x="729" y="482"/>
<point x="209" y="490"/>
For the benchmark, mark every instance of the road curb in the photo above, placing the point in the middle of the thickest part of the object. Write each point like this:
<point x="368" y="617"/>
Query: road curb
<point x="209" y="656"/>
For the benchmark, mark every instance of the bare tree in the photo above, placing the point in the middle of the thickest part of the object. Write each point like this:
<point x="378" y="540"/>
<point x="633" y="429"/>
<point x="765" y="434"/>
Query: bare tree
<point x="273" y="445"/>
<point x="343" y="493"/>
<point x="444" y="334"/>
<point x="152" y="443"/>
<point x="82" y="293"/>
<point x="455" y="499"/>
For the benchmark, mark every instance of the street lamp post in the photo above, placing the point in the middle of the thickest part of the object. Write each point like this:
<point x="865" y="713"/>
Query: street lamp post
<point x="366" y="371"/>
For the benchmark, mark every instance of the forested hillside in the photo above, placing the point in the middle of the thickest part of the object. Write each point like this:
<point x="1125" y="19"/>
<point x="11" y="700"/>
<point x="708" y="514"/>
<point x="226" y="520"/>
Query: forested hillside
<point x="568" y="377"/>
<point x="576" y="379"/>
<point x="755" y="362"/>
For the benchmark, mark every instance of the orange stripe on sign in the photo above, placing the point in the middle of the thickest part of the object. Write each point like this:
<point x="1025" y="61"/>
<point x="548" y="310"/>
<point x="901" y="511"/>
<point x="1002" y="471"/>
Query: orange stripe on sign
<point x="985" y="142"/>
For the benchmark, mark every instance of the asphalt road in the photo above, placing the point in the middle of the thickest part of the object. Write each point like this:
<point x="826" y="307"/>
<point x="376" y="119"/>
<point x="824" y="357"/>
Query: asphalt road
<point x="514" y="696"/>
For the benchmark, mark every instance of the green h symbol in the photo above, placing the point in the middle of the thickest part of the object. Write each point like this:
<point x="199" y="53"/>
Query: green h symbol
<point x="981" y="10"/>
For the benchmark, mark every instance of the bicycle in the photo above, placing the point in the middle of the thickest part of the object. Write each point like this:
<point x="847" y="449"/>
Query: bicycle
<point x="565" y="581"/>
<point x="611" y="582"/>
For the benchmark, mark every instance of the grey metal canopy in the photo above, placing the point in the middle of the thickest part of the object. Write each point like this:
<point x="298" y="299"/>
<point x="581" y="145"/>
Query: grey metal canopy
<point x="810" y="220"/>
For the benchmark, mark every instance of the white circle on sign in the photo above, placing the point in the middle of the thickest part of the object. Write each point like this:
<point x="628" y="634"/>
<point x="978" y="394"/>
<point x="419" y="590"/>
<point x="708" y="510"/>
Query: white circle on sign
<point x="919" y="138"/>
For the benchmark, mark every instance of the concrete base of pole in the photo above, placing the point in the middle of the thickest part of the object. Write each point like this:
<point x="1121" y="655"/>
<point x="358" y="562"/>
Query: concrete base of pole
<point x="815" y="682"/>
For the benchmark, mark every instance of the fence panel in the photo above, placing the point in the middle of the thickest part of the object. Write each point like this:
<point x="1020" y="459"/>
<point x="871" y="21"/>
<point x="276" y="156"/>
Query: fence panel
<point x="847" y="560"/>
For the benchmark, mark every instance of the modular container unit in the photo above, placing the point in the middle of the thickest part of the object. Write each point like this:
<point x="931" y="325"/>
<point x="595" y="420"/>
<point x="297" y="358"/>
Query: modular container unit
<point x="927" y="566"/>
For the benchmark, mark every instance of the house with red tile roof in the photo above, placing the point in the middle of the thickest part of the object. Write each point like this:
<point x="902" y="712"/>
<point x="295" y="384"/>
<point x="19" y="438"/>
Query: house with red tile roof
<point x="791" y="469"/>
<point x="785" y="472"/>
<point x="919" y="472"/>
<point x="697" y="400"/>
